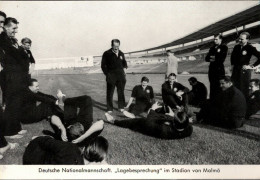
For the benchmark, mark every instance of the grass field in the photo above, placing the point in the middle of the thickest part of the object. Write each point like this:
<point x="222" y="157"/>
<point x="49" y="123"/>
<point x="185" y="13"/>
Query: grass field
<point x="207" y="145"/>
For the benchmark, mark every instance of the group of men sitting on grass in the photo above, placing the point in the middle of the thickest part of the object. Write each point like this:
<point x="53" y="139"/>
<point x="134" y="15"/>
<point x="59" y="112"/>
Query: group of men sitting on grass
<point x="75" y="137"/>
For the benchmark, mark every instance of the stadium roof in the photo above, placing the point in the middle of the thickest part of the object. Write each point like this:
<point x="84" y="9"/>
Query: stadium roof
<point x="245" y="17"/>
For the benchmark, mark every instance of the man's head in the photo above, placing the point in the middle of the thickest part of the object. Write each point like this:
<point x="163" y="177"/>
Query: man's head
<point x="193" y="81"/>
<point x="34" y="86"/>
<point x="26" y="43"/>
<point x="74" y="131"/>
<point x="2" y="21"/>
<point x="244" y="38"/>
<point x="225" y="82"/>
<point x="254" y="85"/>
<point x="96" y="150"/>
<point x="115" y="43"/>
<point x="172" y="78"/>
<point x="11" y="26"/>
<point x="168" y="52"/>
<point x="144" y="81"/>
<point x="218" y="39"/>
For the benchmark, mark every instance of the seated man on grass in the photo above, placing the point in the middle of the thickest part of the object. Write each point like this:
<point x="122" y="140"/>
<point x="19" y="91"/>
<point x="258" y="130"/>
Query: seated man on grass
<point x="61" y="111"/>
<point x="198" y="94"/>
<point x="167" y="125"/>
<point x="143" y="96"/>
<point x="46" y="150"/>
<point x="174" y="94"/>
<point x="253" y="104"/>
<point x="228" y="109"/>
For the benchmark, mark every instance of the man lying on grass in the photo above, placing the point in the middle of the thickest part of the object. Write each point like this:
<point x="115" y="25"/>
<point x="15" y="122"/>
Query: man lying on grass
<point x="160" y="123"/>
<point x="46" y="150"/>
<point x="62" y="112"/>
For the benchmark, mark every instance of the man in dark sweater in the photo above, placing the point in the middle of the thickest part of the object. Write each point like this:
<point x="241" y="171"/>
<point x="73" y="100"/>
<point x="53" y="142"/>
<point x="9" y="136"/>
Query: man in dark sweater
<point x="216" y="56"/>
<point x="114" y="65"/>
<point x="253" y="104"/>
<point x="16" y="78"/>
<point x="228" y="109"/>
<point x="159" y="123"/>
<point x="30" y="64"/>
<point x="198" y="94"/>
<point x="62" y="112"/>
<point x="174" y="94"/>
<point x="240" y="63"/>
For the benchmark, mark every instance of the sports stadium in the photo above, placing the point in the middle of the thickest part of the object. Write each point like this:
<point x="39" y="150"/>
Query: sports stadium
<point x="207" y="145"/>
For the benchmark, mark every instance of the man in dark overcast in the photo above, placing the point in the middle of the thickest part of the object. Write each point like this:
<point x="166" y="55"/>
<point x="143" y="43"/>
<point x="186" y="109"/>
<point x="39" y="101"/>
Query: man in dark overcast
<point x="114" y="65"/>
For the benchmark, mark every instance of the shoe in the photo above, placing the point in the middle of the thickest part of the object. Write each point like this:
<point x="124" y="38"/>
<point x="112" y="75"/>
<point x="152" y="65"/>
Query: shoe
<point x="128" y="114"/>
<point x="109" y="112"/>
<point x="121" y="110"/>
<point x="109" y="118"/>
<point x="22" y="132"/>
<point x="17" y="136"/>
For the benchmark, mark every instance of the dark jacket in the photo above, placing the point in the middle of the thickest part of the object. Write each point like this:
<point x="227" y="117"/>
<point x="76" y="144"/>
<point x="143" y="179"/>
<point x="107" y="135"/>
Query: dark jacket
<point x="200" y="92"/>
<point x="220" y="53"/>
<point x="167" y="91"/>
<point x="30" y="99"/>
<point x="111" y="63"/>
<point x="241" y="55"/>
<point x="231" y="102"/>
<point x="46" y="150"/>
<point x="15" y="59"/>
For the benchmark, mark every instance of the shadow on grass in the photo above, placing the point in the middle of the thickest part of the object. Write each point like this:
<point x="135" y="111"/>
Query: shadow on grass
<point x="99" y="105"/>
<point x="240" y="132"/>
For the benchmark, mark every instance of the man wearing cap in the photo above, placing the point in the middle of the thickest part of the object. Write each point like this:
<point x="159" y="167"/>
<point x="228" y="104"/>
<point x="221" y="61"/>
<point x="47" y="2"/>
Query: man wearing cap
<point x="113" y="65"/>
<point x="240" y="63"/>
<point x="30" y="64"/>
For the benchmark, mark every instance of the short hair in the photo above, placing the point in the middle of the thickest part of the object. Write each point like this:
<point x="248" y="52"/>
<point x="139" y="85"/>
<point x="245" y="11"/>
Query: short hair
<point x="115" y="40"/>
<point x="220" y="36"/>
<point x="2" y="14"/>
<point x="172" y="74"/>
<point x="227" y="79"/>
<point x="31" y="81"/>
<point x="193" y="79"/>
<point x="256" y="82"/>
<point x="96" y="150"/>
<point x="10" y="20"/>
<point x="26" y="40"/>
<point x="247" y="34"/>
<point x="74" y="131"/>
<point x="145" y="79"/>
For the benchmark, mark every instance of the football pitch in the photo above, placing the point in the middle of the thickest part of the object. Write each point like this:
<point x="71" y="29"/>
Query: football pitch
<point x="207" y="144"/>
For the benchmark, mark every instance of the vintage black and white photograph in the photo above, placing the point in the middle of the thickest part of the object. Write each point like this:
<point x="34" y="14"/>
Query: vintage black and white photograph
<point x="130" y="83"/>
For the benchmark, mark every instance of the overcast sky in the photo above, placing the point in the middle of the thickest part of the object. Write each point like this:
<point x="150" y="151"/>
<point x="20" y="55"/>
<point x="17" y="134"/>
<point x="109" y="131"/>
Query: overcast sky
<point x="70" y="29"/>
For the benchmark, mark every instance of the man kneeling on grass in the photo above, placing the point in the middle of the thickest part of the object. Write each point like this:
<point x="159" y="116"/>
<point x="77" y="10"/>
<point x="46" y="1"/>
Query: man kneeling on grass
<point x="165" y="125"/>
<point x="228" y="109"/>
<point x="46" y="150"/>
<point x="62" y="112"/>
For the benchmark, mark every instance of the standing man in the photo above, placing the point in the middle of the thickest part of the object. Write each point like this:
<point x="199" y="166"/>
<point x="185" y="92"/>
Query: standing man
<point x="4" y="145"/>
<point x="240" y="59"/>
<point x="114" y="66"/>
<point x="216" y="56"/>
<point x="30" y="64"/>
<point x="172" y="64"/>
<point x="15" y="77"/>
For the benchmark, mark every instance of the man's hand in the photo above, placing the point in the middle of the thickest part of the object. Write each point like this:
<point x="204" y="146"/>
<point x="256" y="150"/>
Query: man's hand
<point x="171" y="113"/>
<point x="64" y="135"/>
<point x="212" y="58"/>
<point x="1" y="68"/>
<point x="155" y="106"/>
<point x="245" y="67"/>
<point x="38" y="103"/>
